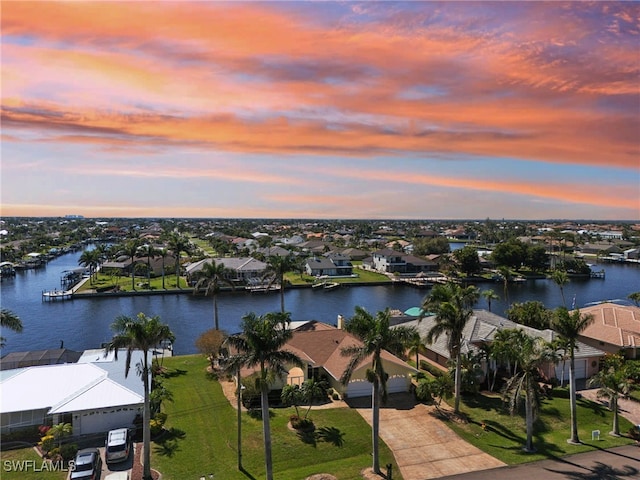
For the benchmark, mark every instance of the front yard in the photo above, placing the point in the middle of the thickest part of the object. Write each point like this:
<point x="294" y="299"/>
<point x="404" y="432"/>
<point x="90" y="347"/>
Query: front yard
<point x="202" y="437"/>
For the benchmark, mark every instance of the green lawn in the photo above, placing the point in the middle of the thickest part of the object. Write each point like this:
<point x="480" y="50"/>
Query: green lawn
<point x="505" y="435"/>
<point x="25" y="464"/>
<point x="103" y="281"/>
<point x="363" y="276"/>
<point x="203" y="426"/>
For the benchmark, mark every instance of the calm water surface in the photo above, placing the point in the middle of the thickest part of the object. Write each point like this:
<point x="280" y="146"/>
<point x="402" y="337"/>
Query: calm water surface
<point x="83" y="324"/>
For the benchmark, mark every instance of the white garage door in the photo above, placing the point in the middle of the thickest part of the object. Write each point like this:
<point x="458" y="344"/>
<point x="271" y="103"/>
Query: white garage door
<point x="581" y="370"/>
<point x="363" y="388"/>
<point x="103" y="422"/>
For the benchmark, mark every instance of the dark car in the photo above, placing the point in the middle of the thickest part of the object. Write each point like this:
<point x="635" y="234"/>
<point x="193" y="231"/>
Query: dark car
<point x="87" y="465"/>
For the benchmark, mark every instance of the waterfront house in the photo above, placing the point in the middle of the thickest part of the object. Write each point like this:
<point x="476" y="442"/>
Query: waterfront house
<point x="331" y="264"/>
<point x="615" y="328"/>
<point x="320" y="346"/>
<point x="240" y="269"/>
<point x="93" y="394"/>
<point x="391" y="261"/>
<point x="482" y="328"/>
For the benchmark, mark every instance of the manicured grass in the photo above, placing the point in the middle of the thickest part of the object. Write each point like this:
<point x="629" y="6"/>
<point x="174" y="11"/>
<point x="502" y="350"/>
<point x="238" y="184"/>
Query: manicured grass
<point x="363" y="276"/>
<point x="124" y="283"/>
<point x="505" y="435"/>
<point x="25" y="464"/>
<point x="203" y="426"/>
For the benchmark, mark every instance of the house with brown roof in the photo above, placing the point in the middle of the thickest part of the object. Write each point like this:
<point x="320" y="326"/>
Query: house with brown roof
<point x="615" y="328"/>
<point x="320" y="346"/>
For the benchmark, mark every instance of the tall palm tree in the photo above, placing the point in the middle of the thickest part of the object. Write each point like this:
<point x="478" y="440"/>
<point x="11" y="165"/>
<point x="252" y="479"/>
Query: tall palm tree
<point x="416" y="346"/>
<point x="210" y="278"/>
<point x="532" y="354"/>
<point x="91" y="260"/>
<point x="130" y="249"/>
<point x="142" y="333"/>
<point x="569" y="325"/>
<point x="452" y="306"/>
<point x="560" y="278"/>
<point x="505" y="272"/>
<point x="9" y="320"/>
<point x="177" y="244"/>
<point x="376" y="336"/>
<point x="260" y="345"/>
<point x="277" y="266"/>
<point x="614" y="382"/>
<point x="149" y="251"/>
<point x="489" y="295"/>
<point x="162" y="253"/>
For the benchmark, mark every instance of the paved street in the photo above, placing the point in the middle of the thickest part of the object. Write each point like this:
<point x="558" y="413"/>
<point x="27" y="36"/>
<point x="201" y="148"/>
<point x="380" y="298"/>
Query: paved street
<point x="622" y="463"/>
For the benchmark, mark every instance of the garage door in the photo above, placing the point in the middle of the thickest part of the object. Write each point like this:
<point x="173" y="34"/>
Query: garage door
<point x="97" y="422"/>
<point x="361" y="388"/>
<point x="580" y="366"/>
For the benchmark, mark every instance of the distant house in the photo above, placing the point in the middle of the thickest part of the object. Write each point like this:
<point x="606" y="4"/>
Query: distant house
<point x="615" y="328"/>
<point x="332" y="264"/>
<point x="320" y="346"/>
<point x="92" y="394"/>
<point x="482" y="328"/>
<point x="241" y="269"/>
<point x="391" y="261"/>
<point x="599" y="248"/>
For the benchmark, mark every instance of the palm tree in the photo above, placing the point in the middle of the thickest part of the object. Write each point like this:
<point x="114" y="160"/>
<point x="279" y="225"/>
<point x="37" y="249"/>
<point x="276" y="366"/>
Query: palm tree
<point x="416" y="345"/>
<point x="490" y="295"/>
<point x="560" y="278"/>
<point x="210" y="277"/>
<point x="130" y="249"/>
<point x="141" y="333"/>
<point x="569" y="325"/>
<point x="149" y="251"/>
<point x="260" y="344"/>
<point x="9" y="320"/>
<point x="376" y="336"/>
<point x="60" y="430"/>
<point x="635" y="297"/>
<point x="614" y="382"/>
<point x="162" y="253"/>
<point x="453" y="306"/>
<point x="91" y="260"/>
<point x="506" y="275"/>
<point x="177" y="244"/>
<point x="277" y="267"/>
<point x="532" y="354"/>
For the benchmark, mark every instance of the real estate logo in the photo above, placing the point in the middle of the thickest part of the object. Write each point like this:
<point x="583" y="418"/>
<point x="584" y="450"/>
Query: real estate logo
<point x="35" y="466"/>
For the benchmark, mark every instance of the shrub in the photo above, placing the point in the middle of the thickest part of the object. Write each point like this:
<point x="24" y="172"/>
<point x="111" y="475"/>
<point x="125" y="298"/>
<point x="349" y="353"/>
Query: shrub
<point x="47" y="443"/>
<point x="433" y="370"/>
<point x="68" y="451"/>
<point x="335" y="396"/>
<point x="301" y="423"/>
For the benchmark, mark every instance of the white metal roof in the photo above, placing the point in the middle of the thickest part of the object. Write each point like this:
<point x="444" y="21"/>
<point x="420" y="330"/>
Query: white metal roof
<point x="93" y="383"/>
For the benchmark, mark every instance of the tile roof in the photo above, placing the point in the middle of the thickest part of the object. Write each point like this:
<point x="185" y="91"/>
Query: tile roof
<point x="614" y="324"/>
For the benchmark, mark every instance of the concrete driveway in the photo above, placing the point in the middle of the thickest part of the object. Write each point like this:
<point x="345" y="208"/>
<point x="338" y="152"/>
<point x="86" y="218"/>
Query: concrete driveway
<point x="423" y="446"/>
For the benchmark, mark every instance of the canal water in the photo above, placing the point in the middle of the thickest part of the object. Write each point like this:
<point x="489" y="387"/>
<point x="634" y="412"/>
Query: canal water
<point x="85" y="323"/>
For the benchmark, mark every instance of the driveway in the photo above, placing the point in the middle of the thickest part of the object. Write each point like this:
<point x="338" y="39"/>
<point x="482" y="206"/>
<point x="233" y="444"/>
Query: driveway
<point x="423" y="446"/>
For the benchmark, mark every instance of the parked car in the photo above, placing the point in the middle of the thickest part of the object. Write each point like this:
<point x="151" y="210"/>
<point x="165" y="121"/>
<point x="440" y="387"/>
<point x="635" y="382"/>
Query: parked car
<point x="87" y="465"/>
<point x="118" y="445"/>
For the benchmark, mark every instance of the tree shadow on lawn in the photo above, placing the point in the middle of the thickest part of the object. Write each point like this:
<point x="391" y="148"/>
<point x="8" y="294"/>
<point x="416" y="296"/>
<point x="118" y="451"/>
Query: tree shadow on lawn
<point x="177" y="372"/>
<point x="330" y="435"/>
<point x="597" y="407"/>
<point x="167" y="442"/>
<point x="485" y="402"/>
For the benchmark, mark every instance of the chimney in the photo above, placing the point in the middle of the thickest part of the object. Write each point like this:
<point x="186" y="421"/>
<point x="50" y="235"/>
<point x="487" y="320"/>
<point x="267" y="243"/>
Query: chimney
<point x="340" y="322"/>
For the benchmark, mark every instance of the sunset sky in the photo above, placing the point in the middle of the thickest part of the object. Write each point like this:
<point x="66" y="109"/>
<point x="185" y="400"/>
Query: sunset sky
<point x="422" y="110"/>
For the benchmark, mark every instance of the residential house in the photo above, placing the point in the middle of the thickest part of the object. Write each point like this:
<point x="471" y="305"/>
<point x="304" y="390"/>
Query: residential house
<point x="391" y="261"/>
<point x="240" y="269"/>
<point x="93" y="394"/>
<point x="482" y="328"/>
<point x="615" y="328"/>
<point x="320" y="346"/>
